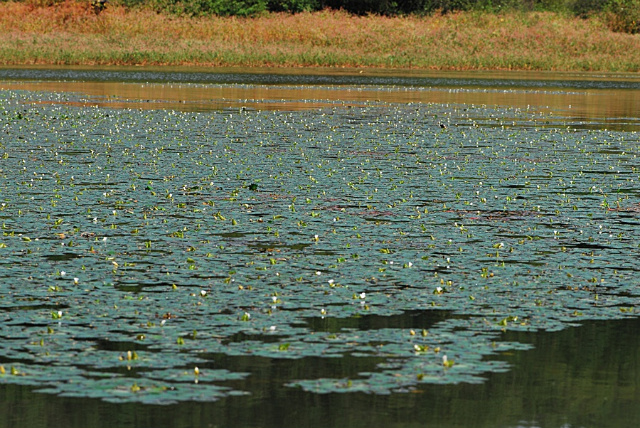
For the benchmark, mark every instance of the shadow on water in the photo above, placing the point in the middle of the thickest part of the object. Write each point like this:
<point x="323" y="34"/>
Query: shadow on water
<point x="587" y="376"/>
<point x="409" y="319"/>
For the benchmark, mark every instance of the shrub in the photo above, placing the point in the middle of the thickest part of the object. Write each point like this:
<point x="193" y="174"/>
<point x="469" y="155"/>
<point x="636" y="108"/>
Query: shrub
<point x="586" y="8"/>
<point x="207" y="7"/>
<point x="293" y="6"/>
<point x="619" y="15"/>
<point x="623" y="15"/>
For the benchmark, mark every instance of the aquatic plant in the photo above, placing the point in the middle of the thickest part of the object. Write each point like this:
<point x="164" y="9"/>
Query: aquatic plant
<point x="141" y="247"/>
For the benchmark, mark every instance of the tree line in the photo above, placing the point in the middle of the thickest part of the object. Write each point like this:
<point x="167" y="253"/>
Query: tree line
<point x="619" y="15"/>
<point x="383" y="7"/>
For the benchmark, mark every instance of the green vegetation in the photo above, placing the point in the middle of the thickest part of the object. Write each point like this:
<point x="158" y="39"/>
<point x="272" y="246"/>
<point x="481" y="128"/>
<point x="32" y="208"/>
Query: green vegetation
<point x="141" y="249"/>
<point x="622" y="15"/>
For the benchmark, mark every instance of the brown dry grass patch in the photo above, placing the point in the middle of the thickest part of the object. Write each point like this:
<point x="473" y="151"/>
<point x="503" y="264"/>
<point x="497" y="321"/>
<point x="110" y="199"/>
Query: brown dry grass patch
<point x="70" y="32"/>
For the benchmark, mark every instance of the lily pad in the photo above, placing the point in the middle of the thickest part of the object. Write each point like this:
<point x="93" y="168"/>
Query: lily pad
<point x="138" y="245"/>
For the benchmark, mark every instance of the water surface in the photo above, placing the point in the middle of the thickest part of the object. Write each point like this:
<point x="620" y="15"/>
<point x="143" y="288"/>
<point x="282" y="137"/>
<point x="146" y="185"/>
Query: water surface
<point x="611" y="99"/>
<point x="580" y="377"/>
<point x="207" y="248"/>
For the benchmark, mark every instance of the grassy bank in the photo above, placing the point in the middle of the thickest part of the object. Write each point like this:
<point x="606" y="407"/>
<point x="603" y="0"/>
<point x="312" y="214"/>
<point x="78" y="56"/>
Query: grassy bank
<point x="71" y="33"/>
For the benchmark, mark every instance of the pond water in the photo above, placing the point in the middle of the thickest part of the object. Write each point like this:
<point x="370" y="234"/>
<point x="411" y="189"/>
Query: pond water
<point x="579" y="377"/>
<point x="257" y="248"/>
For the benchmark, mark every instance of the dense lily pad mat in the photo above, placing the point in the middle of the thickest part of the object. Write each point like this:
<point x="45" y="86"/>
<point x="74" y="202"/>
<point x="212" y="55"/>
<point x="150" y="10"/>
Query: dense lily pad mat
<point x="139" y="247"/>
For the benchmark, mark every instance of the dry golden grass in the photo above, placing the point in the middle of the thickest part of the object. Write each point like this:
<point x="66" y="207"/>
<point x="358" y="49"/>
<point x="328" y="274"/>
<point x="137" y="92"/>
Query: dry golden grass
<point x="70" y="33"/>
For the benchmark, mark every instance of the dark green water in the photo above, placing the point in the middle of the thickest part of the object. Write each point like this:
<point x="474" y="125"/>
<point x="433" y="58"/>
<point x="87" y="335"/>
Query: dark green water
<point x="587" y="376"/>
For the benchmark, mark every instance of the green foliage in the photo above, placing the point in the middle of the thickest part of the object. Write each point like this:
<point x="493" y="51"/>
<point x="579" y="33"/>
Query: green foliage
<point x="389" y="7"/>
<point x="623" y="15"/>
<point x="584" y="8"/>
<point x="293" y="6"/>
<point x="209" y="7"/>
<point x="130" y="3"/>
<point x="620" y="15"/>
<point x="499" y="183"/>
<point x="383" y="7"/>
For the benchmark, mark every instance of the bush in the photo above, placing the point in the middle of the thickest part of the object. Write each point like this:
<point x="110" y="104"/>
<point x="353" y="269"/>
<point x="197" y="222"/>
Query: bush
<point x="623" y="15"/>
<point x="586" y="8"/>
<point x="293" y="6"/>
<point x="620" y="15"/>
<point x="209" y="7"/>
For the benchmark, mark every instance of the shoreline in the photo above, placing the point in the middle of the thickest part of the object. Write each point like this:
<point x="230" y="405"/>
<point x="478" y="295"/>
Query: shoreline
<point x="482" y="74"/>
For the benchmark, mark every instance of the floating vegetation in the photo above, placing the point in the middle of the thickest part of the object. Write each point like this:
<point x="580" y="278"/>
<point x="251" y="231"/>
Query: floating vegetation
<point x="141" y="251"/>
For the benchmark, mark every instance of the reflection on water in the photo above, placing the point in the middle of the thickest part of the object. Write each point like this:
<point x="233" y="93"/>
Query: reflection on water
<point x="408" y="319"/>
<point x="581" y="377"/>
<point x="612" y="100"/>
<point x="327" y="76"/>
<point x="587" y="376"/>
